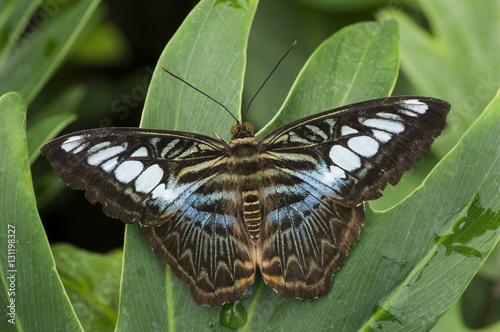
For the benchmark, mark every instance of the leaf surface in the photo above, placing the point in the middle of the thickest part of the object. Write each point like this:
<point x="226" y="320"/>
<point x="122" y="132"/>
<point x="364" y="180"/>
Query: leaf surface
<point x="28" y="272"/>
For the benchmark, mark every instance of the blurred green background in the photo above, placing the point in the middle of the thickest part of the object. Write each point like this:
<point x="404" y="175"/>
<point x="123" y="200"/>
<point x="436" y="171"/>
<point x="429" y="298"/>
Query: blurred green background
<point x="105" y="76"/>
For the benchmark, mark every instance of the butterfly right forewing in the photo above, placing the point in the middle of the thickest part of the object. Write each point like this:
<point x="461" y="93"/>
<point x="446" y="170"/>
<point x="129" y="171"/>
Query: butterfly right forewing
<point x="352" y="152"/>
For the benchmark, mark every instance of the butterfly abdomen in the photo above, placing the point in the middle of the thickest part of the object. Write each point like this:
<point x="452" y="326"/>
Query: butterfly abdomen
<point x="252" y="213"/>
<point x="246" y="166"/>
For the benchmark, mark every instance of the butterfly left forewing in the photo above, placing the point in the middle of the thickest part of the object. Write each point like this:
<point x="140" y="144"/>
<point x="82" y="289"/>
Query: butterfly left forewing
<point x="136" y="174"/>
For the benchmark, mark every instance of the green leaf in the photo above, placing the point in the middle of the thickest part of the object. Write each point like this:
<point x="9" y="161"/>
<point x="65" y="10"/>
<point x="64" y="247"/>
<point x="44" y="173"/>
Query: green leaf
<point x="342" y="71"/>
<point x="209" y="52"/>
<point x="44" y="49"/>
<point x="28" y="273"/>
<point x="92" y="282"/>
<point x="462" y="46"/>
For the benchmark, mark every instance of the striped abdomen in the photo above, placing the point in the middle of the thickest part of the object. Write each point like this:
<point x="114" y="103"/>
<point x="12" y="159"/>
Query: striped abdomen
<point x="245" y="167"/>
<point x="251" y="213"/>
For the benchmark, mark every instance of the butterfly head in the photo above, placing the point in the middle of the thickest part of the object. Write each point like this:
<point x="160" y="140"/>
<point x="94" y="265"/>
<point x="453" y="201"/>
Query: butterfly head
<point x="242" y="129"/>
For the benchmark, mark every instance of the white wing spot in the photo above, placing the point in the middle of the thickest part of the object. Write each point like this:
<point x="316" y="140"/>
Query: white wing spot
<point x="109" y="165"/>
<point x="382" y="136"/>
<point x="414" y="107"/>
<point x="345" y="158"/>
<point x="149" y="179"/>
<point x="154" y="141"/>
<point x="363" y="145"/>
<point x="331" y="122"/>
<point x="346" y="130"/>
<point x="333" y="175"/>
<point x="71" y="143"/>
<point x="105" y="154"/>
<point x="80" y="148"/>
<point x="128" y="170"/>
<point x="387" y="125"/>
<point x="140" y="152"/>
<point x="98" y="147"/>
<point x="164" y="195"/>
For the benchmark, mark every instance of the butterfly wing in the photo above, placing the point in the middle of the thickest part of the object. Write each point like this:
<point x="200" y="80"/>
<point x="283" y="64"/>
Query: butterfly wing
<point x="305" y="237"/>
<point x="173" y="184"/>
<point x="350" y="153"/>
<point x="206" y="246"/>
<point x="327" y="165"/>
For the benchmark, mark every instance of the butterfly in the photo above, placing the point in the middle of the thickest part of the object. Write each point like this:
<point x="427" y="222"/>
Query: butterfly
<point x="290" y="204"/>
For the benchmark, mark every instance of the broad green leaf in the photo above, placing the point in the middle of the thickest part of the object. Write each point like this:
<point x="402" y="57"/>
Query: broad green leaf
<point x="34" y="62"/>
<point x="460" y="53"/>
<point x="14" y="18"/>
<point x="28" y="274"/>
<point x="342" y="71"/>
<point x="92" y="282"/>
<point x="209" y="52"/>
<point x="268" y="41"/>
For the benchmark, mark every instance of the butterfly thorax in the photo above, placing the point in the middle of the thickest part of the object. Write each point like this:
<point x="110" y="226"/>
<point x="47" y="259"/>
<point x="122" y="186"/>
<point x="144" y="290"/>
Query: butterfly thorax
<point x="246" y="167"/>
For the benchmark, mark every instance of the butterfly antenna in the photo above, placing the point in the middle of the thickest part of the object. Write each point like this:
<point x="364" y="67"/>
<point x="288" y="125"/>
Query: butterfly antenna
<point x="203" y="93"/>
<point x="269" y="76"/>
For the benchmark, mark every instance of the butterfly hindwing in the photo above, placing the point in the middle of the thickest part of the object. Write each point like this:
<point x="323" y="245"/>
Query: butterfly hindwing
<point x="205" y="245"/>
<point x="350" y="153"/>
<point x="305" y="238"/>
